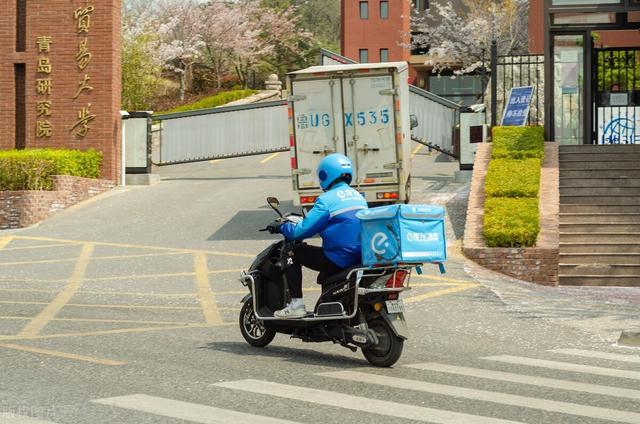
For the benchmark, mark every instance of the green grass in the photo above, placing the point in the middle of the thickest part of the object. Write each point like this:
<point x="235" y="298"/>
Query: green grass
<point x="32" y="169"/>
<point x="212" y="101"/>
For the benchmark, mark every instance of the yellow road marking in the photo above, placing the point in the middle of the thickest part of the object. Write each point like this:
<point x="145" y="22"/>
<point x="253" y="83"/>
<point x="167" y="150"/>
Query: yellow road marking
<point x="137" y="246"/>
<point x="4" y="241"/>
<point x="65" y="355"/>
<point x="123" y="321"/>
<point x="142" y="255"/>
<point x="99" y="306"/>
<point x="119" y="331"/>
<point x="114" y="293"/>
<point x="43" y="261"/>
<point x="205" y="295"/>
<point x="215" y="161"/>
<point x="270" y="157"/>
<point x="439" y="293"/>
<point x="39" y="246"/>
<point x="177" y="274"/>
<point x="446" y="279"/>
<point x="52" y="309"/>
<point x="416" y="150"/>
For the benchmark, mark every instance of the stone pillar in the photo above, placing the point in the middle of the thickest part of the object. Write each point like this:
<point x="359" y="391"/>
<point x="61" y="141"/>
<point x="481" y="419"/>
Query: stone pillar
<point x="273" y="83"/>
<point x="70" y="58"/>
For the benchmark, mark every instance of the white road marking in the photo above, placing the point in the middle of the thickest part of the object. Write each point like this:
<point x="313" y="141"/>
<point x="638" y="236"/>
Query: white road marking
<point x="487" y="396"/>
<point x="530" y="380"/>
<point x="566" y="366"/>
<point x="187" y="411"/>
<point x="19" y="419"/>
<point x="599" y="355"/>
<point x="357" y="403"/>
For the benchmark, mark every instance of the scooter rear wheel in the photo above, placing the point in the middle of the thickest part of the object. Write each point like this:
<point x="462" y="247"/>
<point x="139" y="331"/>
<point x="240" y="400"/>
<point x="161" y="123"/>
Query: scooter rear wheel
<point x="252" y="329"/>
<point x="389" y="347"/>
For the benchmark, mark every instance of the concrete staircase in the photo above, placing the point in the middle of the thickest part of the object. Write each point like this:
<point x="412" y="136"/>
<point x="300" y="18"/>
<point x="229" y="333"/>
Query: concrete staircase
<point x="600" y="215"/>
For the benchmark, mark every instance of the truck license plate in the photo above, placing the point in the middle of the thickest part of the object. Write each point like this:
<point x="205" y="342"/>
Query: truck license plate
<point x="395" y="306"/>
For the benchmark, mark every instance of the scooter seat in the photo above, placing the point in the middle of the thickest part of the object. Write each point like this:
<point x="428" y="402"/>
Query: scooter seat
<point x="328" y="279"/>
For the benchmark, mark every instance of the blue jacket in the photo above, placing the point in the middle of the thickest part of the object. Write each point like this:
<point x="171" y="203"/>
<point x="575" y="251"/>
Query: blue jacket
<point x="334" y="217"/>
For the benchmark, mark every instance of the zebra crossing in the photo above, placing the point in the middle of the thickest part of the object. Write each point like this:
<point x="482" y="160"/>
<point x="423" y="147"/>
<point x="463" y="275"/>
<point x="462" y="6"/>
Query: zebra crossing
<point x="619" y="372"/>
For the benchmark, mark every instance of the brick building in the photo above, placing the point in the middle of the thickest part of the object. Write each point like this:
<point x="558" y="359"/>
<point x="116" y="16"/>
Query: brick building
<point x="374" y="30"/>
<point x="60" y="76"/>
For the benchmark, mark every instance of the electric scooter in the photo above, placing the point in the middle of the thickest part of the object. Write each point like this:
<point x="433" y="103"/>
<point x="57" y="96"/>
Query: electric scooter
<point x="360" y="307"/>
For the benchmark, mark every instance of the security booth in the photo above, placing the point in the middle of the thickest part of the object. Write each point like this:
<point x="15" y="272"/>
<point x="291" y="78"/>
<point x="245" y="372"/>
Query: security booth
<point x="473" y="130"/>
<point x="595" y="88"/>
<point x="137" y="142"/>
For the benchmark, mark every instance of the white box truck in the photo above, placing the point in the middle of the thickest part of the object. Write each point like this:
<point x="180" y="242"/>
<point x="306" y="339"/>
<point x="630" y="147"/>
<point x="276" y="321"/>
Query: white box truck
<point x="360" y="110"/>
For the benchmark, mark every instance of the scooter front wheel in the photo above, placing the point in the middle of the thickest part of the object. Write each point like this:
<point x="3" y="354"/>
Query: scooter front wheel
<point x="253" y="329"/>
<point x="389" y="347"/>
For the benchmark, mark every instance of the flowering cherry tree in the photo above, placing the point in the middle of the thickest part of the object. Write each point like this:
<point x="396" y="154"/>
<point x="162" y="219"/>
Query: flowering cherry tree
<point x="181" y="42"/>
<point x="459" y="37"/>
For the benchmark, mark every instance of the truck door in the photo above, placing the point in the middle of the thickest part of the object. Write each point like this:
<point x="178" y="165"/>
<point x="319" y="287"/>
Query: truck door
<point x="317" y="122"/>
<point x="369" y="122"/>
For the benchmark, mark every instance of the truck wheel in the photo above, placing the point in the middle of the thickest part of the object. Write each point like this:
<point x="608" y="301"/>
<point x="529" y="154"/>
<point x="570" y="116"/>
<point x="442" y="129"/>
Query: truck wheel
<point x="252" y="329"/>
<point x="389" y="347"/>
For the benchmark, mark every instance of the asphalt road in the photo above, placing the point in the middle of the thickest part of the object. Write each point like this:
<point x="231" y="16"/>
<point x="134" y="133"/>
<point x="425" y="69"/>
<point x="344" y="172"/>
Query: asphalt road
<point x="124" y="310"/>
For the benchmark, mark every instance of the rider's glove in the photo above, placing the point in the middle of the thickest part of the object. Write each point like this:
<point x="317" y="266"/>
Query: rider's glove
<point x="274" y="227"/>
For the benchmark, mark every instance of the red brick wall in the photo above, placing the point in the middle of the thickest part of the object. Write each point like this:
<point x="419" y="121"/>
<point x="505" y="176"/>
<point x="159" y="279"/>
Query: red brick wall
<point x="23" y="208"/>
<point x="375" y="33"/>
<point x="55" y="18"/>
<point x="536" y="26"/>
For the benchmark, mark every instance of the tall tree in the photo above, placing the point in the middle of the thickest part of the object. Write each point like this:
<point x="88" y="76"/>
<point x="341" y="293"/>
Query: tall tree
<point x="141" y="64"/>
<point x="181" y="46"/>
<point x="459" y="37"/>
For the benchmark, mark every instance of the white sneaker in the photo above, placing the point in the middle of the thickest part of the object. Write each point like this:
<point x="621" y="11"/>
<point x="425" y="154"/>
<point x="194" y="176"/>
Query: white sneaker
<point x="295" y="309"/>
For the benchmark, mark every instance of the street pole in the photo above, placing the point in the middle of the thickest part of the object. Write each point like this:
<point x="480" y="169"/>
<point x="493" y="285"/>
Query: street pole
<point x="494" y="83"/>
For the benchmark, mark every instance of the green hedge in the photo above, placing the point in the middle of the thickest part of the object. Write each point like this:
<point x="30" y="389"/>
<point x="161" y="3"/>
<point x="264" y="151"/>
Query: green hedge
<point x="518" y="142"/>
<point x="213" y="101"/>
<point x="511" y="216"/>
<point x="32" y="169"/>
<point x="511" y="222"/>
<point x="513" y="178"/>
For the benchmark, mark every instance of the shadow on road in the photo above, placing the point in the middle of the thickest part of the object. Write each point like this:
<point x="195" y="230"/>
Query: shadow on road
<point x="290" y="354"/>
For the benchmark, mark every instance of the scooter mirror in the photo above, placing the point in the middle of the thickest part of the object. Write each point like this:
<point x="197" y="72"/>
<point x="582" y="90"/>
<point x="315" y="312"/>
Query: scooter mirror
<point x="273" y="202"/>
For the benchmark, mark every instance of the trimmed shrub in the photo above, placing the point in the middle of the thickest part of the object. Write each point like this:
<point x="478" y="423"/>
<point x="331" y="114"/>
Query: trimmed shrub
<point x="518" y="142"/>
<point x="213" y="101"/>
<point x="511" y="222"/>
<point x="513" y="178"/>
<point x="32" y="169"/>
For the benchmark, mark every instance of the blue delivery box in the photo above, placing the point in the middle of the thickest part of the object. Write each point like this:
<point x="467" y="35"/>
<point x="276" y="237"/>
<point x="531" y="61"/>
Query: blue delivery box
<point x="403" y="234"/>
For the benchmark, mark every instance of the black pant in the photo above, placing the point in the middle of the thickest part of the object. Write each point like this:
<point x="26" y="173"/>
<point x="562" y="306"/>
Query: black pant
<point x="311" y="257"/>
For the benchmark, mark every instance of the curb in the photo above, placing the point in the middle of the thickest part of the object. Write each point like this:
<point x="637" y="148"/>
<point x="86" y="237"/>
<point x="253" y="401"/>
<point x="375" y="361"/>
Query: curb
<point x="629" y="338"/>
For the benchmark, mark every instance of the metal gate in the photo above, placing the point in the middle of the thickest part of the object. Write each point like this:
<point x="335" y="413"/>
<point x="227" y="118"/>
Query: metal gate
<point x="222" y="132"/>
<point x="616" y="88"/>
<point x="516" y="71"/>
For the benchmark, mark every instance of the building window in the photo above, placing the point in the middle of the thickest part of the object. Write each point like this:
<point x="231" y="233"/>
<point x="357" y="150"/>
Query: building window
<point x="364" y="10"/>
<point x="384" y="9"/>
<point x="421" y="5"/>
<point x="384" y="55"/>
<point x="364" y="56"/>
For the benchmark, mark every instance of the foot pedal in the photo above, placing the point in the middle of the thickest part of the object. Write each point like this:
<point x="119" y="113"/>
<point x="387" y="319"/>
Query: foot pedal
<point x="330" y="309"/>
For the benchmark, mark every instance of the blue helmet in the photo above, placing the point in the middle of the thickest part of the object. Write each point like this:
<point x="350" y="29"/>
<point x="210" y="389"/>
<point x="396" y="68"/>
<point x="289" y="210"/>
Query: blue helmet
<point x="333" y="167"/>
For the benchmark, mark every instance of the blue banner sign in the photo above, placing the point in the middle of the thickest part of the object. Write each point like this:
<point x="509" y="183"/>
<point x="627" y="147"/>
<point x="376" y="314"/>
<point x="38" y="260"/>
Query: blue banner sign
<point x="516" y="111"/>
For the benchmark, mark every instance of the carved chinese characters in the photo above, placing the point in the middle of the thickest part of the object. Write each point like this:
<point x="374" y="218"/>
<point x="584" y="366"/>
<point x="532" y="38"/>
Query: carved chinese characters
<point x="44" y="128"/>
<point x="82" y="16"/>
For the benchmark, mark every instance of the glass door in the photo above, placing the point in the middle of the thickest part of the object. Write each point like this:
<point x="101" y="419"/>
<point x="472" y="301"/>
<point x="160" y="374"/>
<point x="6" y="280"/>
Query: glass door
<point x="568" y="88"/>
